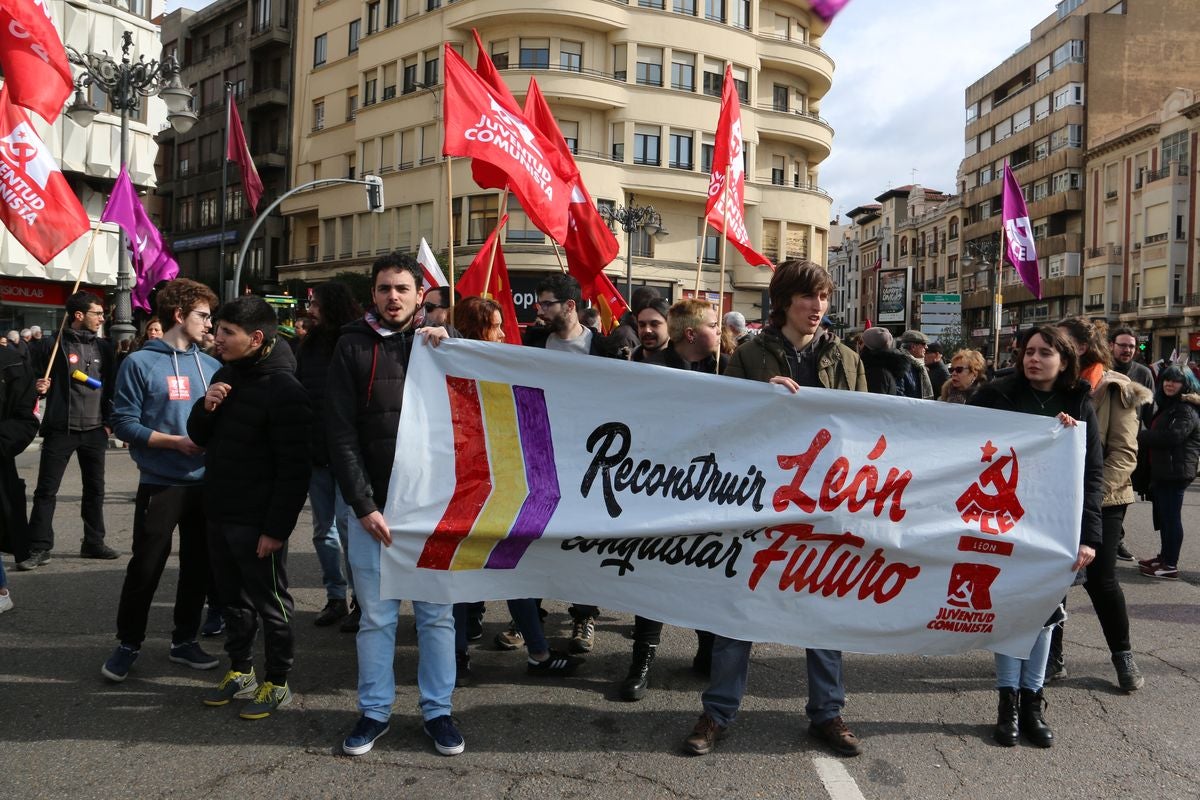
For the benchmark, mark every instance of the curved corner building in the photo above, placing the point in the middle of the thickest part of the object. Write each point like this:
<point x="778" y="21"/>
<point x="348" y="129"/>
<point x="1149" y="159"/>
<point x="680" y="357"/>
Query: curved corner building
<point x="635" y="87"/>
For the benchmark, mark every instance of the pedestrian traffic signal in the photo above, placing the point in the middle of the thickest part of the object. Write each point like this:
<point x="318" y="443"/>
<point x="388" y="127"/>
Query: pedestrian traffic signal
<point x="375" y="193"/>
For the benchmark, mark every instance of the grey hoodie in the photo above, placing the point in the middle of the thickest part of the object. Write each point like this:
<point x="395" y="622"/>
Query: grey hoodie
<point x="156" y="387"/>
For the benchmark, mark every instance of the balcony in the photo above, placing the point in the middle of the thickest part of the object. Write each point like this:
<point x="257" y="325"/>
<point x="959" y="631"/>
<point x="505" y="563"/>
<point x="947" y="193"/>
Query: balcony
<point x="531" y="14"/>
<point x="273" y="96"/>
<point x="270" y="34"/>
<point x="809" y="131"/>
<point x="1102" y="256"/>
<point x="810" y="62"/>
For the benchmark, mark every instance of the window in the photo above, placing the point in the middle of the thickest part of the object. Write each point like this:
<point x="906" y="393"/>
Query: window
<point x="351" y="165"/>
<point x="186" y="153"/>
<point x="714" y="77"/>
<point x="1069" y="95"/>
<point x="318" y="115"/>
<point x="741" y="85"/>
<point x="208" y="210"/>
<point x="235" y="203"/>
<point x="319" y="50"/>
<point x="1003" y="130"/>
<point x="431" y="68"/>
<point x="1041" y="107"/>
<point x="708" y="242"/>
<point x="262" y="15"/>
<point x="683" y="71"/>
<point x="570" y="132"/>
<point x="972" y="112"/>
<point x="482" y="214"/>
<point x="519" y="228"/>
<point x="347" y="237"/>
<point x="237" y="77"/>
<point x="1043" y="69"/>
<point x="389" y="81"/>
<point x="681" y="149"/>
<point x="499" y="54"/>
<point x="954" y="228"/>
<point x="646" y="144"/>
<point x="393" y="12"/>
<point x="373" y="17"/>
<point x="1065" y="180"/>
<point x="618" y="141"/>
<point x="1041" y="190"/>
<point x="535" y="54"/>
<point x="684" y="7"/>
<point x="779" y="97"/>
<point x="643" y="243"/>
<point x="706" y="153"/>
<point x="1175" y="148"/>
<point x="409" y="82"/>
<point x="649" y="66"/>
<point x="620" y="61"/>
<point x="570" y="56"/>
<point x="651" y="4"/>
<point x="369" y="95"/>
<point x="351" y="104"/>
<point x="185" y="212"/>
<point x="433" y="5"/>
<point x="1066" y="53"/>
<point x="355" y="30"/>
<point x="739" y="14"/>
<point x="211" y="150"/>
<point x="778" y="170"/>
<point x="328" y="239"/>
<point x="1021" y="119"/>
<point x="714" y="10"/>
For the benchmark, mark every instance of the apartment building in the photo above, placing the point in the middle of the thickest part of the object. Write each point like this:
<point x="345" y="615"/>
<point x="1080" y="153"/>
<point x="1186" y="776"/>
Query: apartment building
<point x="247" y="44"/>
<point x="32" y="293"/>
<point x="635" y="87"/>
<point x="1140" y="232"/>
<point x="1091" y="67"/>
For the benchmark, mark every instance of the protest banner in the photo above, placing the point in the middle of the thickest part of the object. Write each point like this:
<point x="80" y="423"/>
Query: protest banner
<point x="826" y="519"/>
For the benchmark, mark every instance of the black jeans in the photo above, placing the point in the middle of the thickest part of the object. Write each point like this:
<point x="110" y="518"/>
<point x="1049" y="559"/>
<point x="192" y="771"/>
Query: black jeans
<point x="157" y="510"/>
<point x="249" y="589"/>
<point x="89" y="448"/>
<point x="1102" y="585"/>
<point x="650" y="631"/>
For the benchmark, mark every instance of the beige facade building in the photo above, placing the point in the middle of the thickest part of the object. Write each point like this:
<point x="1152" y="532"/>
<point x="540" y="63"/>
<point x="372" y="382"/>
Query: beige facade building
<point x="1140" y="268"/>
<point x="1090" y="67"/>
<point x="635" y="88"/>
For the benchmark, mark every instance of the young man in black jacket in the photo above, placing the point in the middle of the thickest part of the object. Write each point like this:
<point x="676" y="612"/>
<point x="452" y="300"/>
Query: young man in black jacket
<point x="77" y="421"/>
<point x="363" y="396"/>
<point x="254" y="423"/>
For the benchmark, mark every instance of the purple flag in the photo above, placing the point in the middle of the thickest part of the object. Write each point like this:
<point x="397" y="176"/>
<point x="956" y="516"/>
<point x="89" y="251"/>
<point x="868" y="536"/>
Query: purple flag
<point x="1018" y="235"/>
<point x="151" y="260"/>
<point x="827" y="9"/>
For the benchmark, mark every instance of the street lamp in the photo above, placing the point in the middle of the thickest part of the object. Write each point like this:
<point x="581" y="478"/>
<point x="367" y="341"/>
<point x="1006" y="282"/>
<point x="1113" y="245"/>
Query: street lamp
<point x="632" y="218"/>
<point x="987" y="251"/>
<point x="126" y="83"/>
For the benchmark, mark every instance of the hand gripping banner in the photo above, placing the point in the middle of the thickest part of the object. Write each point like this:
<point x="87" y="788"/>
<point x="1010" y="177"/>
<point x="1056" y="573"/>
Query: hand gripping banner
<point x="829" y="519"/>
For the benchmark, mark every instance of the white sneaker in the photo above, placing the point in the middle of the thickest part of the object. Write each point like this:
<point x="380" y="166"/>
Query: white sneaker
<point x="6" y="602"/>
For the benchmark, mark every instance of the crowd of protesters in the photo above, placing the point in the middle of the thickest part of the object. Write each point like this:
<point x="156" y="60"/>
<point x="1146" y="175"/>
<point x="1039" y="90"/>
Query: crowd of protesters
<point x="232" y="431"/>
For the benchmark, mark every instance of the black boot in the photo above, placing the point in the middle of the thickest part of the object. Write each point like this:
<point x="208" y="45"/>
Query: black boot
<point x="1056" y="665"/>
<point x="702" y="661"/>
<point x="1033" y="723"/>
<point x="638" y="680"/>
<point x="1006" y="717"/>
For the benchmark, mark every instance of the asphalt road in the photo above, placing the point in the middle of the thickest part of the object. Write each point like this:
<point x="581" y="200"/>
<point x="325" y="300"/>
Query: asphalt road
<point x="925" y="722"/>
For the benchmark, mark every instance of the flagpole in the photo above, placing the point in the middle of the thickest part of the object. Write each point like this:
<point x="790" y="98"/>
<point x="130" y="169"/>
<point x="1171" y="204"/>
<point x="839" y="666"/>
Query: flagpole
<point x="487" y="284"/>
<point x="561" y="264"/>
<point x="221" y="293"/>
<point x="450" y="228"/>
<point x="700" y="258"/>
<point x="998" y="308"/>
<point x="87" y="257"/>
<point x="724" y="252"/>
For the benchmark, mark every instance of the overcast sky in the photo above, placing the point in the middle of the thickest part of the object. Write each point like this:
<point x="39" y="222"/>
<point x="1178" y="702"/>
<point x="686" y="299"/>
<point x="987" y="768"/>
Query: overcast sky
<point x="897" y="102"/>
<point x="897" y="99"/>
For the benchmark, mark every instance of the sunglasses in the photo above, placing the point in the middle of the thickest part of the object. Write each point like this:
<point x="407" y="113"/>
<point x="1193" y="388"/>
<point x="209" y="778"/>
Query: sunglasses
<point x="957" y="370"/>
<point x="429" y="307"/>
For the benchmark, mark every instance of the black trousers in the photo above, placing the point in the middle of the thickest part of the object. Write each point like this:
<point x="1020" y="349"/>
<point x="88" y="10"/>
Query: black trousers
<point x="89" y="448"/>
<point x="650" y="631"/>
<point x="1102" y="585"/>
<point x="157" y="511"/>
<point x="251" y="589"/>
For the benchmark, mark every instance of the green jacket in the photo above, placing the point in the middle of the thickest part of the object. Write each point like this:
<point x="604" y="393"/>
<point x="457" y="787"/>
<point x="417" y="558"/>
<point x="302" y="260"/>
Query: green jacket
<point x="763" y="357"/>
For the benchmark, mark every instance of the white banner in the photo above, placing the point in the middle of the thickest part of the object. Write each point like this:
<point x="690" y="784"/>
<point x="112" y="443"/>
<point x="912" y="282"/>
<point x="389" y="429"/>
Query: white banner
<point x="824" y="519"/>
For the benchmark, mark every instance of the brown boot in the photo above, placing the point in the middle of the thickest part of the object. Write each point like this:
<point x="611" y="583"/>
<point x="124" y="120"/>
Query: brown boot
<point x="836" y="736"/>
<point x="704" y="735"/>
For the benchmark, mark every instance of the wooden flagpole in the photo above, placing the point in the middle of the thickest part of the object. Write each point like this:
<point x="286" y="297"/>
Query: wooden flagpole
<point x="487" y="284"/>
<point x="700" y="258"/>
<point x="78" y="280"/>
<point x="450" y="228"/>
<point x="998" y="305"/>
<point x="724" y="251"/>
<point x="558" y="254"/>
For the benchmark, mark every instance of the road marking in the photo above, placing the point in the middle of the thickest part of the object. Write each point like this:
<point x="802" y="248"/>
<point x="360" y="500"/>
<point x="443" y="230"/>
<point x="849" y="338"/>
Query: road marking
<point x="837" y="780"/>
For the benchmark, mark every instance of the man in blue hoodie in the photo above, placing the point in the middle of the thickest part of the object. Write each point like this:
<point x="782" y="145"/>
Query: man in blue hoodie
<point x="156" y="388"/>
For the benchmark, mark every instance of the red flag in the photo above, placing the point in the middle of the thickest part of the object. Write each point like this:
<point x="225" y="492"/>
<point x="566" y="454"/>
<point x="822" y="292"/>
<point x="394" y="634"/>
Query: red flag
<point x="730" y="201"/>
<point x="608" y="300"/>
<point x="37" y="206"/>
<point x="237" y="151"/>
<point x="487" y="176"/>
<point x="499" y="290"/>
<point x="481" y="125"/>
<point x="32" y="58"/>
<point x="590" y="245"/>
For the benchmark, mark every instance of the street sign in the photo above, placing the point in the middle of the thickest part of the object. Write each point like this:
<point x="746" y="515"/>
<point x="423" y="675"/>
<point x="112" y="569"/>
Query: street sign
<point x="939" y="313"/>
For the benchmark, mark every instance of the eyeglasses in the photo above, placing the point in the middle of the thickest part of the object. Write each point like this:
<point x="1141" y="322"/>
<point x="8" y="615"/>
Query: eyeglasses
<point x="1118" y="345"/>
<point x="957" y="370"/>
<point x="202" y="316"/>
<point x="94" y="313"/>
<point x="548" y="303"/>
<point x="429" y="307"/>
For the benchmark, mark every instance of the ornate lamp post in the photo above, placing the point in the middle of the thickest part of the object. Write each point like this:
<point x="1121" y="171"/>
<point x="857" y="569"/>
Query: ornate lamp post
<point x="632" y="218"/>
<point x="126" y="82"/>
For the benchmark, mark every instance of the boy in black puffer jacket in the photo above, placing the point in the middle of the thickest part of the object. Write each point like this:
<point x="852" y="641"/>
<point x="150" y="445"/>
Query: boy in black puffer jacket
<point x="254" y="423"/>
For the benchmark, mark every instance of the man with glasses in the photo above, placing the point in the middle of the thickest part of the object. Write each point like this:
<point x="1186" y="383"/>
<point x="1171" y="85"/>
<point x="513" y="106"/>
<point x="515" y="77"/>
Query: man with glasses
<point x="78" y="407"/>
<point x="156" y="387"/>
<point x="1124" y="344"/>
<point x="437" y="306"/>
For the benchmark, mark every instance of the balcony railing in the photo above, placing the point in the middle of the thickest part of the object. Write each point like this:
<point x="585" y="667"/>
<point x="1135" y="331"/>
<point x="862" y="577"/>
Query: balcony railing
<point x="1154" y="301"/>
<point x="1156" y="238"/>
<point x="1192" y="299"/>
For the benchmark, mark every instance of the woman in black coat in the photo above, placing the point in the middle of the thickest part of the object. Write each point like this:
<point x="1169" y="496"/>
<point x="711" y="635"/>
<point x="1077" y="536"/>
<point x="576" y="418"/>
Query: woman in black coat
<point x="1171" y="439"/>
<point x="1045" y="382"/>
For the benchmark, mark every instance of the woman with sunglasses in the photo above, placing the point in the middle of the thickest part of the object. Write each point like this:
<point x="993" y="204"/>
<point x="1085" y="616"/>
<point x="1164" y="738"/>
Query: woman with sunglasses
<point x="1046" y="383"/>
<point x="966" y="376"/>
<point x="1117" y="401"/>
<point x="1172" y="442"/>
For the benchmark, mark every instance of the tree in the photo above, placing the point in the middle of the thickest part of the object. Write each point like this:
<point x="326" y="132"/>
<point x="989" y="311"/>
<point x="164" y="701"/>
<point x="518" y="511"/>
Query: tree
<point x="952" y="340"/>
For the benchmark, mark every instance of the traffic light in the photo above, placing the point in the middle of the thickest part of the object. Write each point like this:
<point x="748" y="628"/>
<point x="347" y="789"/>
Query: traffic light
<point x="375" y="193"/>
<point x="1142" y="346"/>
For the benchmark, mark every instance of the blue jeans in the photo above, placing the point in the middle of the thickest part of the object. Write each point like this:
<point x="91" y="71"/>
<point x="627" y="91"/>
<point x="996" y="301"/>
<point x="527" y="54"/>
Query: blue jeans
<point x="376" y="641"/>
<point x="529" y="622"/>
<point x="329" y="515"/>
<point x="3" y="577"/>
<point x="731" y="665"/>
<point x="1168" y="507"/>
<point x="1025" y="673"/>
